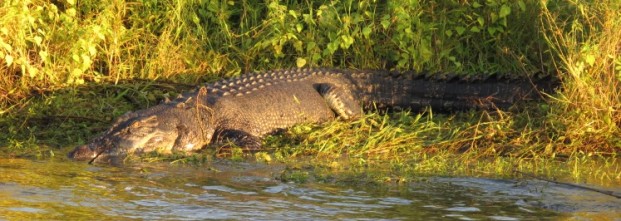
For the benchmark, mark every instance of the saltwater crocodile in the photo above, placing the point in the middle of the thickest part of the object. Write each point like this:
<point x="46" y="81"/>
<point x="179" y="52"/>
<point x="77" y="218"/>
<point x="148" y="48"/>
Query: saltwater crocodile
<point x="246" y="108"/>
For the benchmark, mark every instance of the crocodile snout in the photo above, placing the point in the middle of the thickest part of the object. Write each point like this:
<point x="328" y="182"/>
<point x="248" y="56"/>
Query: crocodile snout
<point x="83" y="152"/>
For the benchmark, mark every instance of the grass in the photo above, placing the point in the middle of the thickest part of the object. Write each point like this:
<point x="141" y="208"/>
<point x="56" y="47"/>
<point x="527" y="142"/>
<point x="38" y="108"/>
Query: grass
<point x="68" y="68"/>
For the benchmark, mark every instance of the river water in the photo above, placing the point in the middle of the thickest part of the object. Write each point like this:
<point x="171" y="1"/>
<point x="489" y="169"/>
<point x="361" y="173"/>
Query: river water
<point x="59" y="189"/>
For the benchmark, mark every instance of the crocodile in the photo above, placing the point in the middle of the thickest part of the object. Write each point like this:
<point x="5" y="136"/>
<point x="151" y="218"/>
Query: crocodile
<point x="245" y="109"/>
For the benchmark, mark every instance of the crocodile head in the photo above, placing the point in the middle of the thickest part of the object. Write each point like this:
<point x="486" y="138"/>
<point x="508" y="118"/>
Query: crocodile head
<point x="164" y="128"/>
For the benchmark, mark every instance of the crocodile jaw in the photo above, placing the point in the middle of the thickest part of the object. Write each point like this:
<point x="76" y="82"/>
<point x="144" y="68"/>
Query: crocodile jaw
<point x="83" y="152"/>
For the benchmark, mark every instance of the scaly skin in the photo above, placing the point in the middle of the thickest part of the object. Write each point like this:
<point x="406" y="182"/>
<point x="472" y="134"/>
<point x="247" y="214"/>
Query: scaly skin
<point x="247" y="108"/>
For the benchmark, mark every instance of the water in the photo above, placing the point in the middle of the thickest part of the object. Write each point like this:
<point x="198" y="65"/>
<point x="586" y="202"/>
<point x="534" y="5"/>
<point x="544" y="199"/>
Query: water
<point x="57" y="189"/>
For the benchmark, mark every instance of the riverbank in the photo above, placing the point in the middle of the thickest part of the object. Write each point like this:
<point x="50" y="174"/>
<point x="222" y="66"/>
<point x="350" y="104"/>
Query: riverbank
<point x="67" y="70"/>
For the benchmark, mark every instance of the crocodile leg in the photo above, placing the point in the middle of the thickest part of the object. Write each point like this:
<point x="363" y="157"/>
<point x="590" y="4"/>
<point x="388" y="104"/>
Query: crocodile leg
<point x="341" y="101"/>
<point x="240" y="138"/>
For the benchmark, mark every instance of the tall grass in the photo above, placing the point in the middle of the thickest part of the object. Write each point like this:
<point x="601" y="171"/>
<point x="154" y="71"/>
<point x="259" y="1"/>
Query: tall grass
<point x="586" y="50"/>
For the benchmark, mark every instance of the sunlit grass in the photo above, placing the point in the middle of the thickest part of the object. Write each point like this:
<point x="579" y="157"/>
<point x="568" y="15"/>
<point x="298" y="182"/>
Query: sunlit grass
<point x="587" y="112"/>
<point x="407" y="145"/>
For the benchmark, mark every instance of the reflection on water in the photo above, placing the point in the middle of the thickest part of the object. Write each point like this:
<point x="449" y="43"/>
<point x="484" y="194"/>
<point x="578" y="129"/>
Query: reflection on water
<point x="226" y="190"/>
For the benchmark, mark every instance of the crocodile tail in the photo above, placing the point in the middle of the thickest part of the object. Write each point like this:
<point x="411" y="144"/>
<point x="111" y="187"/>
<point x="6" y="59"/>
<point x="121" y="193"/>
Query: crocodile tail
<point x="394" y="90"/>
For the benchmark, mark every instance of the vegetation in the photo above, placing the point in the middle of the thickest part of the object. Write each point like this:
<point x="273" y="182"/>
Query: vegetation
<point x="67" y="68"/>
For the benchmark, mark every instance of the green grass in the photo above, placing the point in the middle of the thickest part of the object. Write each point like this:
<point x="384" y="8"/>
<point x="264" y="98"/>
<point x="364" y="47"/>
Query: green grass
<point x="68" y="68"/>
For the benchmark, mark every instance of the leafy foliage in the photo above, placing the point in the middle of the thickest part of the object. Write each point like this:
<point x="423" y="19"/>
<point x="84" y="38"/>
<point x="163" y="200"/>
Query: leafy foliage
<point x="47" y="45"/>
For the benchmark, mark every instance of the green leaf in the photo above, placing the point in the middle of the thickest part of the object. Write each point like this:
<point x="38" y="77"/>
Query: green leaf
<point x="315" y="57"/>
<point x="298" y="45"/>
<point x="92" y="50"/>
<point x="97" y="30"/>
<point x="300" y="62"/>
<point x="33" y="72"/>
<point x="347" y="41"/>
<point x="299" y="27"/>
<point x="332" y="47"/>
<point x="590" y="59"/>
<point x="425" y="52"/>
<point x="481" y="21"/>
<point x="86" y="61"/>
<point x="476" y="5"/>
<point x="491" y="30"/>
<point x="475" y="29"/>
<point x="504" y="11"/>
<point x="385" y="24"/>
<point x="500" y="28"/>
<point x="402" y="62"/>
<point x="293" y="13"/>
<point x="366" y="31"/>
<point x="522" y="5"/>
<point x="71" y="12"/>
<point x="43" y="55"/>
<point x="8" y="59"/>
<point x="460" y="30"/>
<point x="38" y="40"/>
<point x="76" y="73"/>
<point x="196" y="19"/>
<point x="310" y="45"/>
